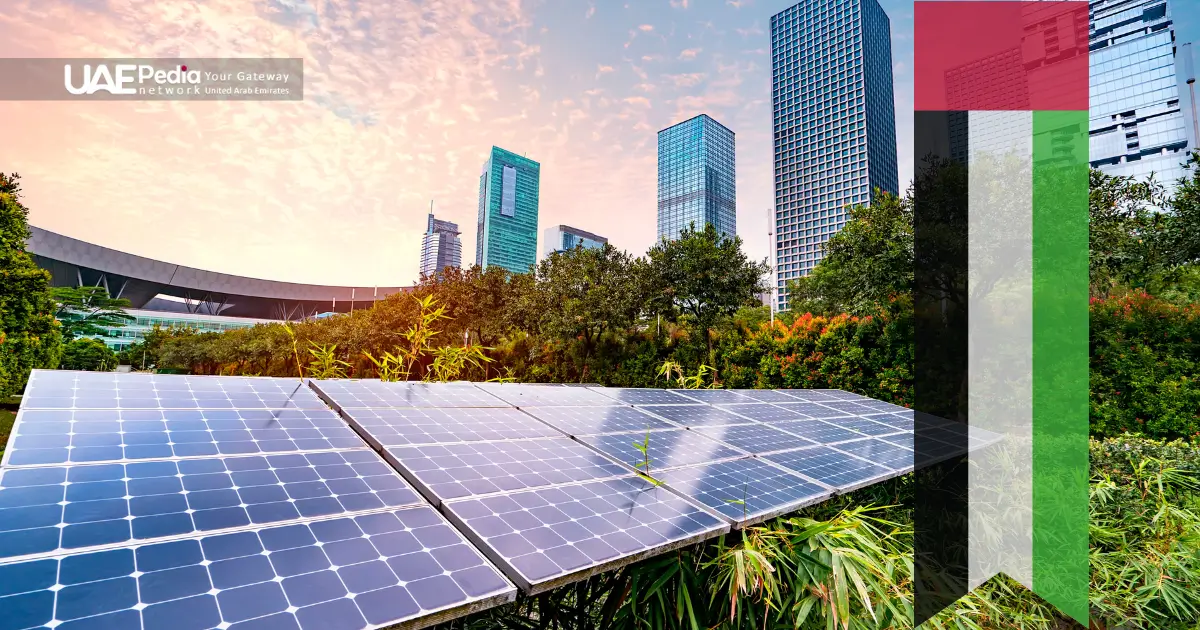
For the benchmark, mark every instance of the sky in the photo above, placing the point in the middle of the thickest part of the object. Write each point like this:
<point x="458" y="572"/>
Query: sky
<point x="403" y="100"/>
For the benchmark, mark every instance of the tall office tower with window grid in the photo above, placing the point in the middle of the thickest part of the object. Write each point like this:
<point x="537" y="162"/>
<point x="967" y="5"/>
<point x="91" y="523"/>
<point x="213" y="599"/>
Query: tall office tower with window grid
<point x="834" y="123"/>
<point x="507" y="229"/>
<point x="1137" y="125"/>
<point x="440" y="247"/>
<point x="696" y="178"/>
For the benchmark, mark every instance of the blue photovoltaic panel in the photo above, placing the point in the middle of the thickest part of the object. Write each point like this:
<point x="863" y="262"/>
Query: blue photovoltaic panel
<point x="520" y="395"/>
<point x="851" y="408"/>
<point x="713" y="396"/>
<point x="863" y="426"/>
<point x="410" y="426"/>
<point x="762" y="412"/>
<point x="452" y="471"/>
<point x="667" y="448"/>
<point x="807" y="395"/>
<point x="879" y="452"/>
<point x="880" y="406"/>
<point x="640" y="396"/>
<point x="52" y="389"/>
<point x="46" y="509"/>
<point x="746" y="491"/>
<point x="831" y="468"/>
<point x="765" y="395"/>
<point x="836" y="394"/>
<point x="897" y="421"/>
<point x="757" y="439"/>
<point x="61" y="436"/>
<point x="347" y="394"/>
<point x="814" y="410"/>
<point x="575" y="421"/>
<point x="547" y="537"/>
<point x="368" y="571"/>
<point x="695" y="415"/>
<point x="818" y="431"/>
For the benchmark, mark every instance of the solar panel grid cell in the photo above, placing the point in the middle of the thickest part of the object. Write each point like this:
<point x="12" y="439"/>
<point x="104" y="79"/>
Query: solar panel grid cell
<point x="863" y="426"/>
<point x="695" y="415"/>
<point x="412" y="426"/>
<point x="408" y="566"/>
<point x="83" y="390"/>
<point x="758" y="439"/>
<point x="879" y="452"/>
<point x="762" y="412"/>
<point x="814" y="410"/>
<point x="745" y="491"/>
<point x="818" y="431"/>
<point x="61" y="436"/>
<point x="578" y="421"/>
<point x="714" y="396"/>
<point x="452" y="471"/>
<point x="546" y="537"/>
<point x="368" y="394"/>
<point x="534" y="396"/>
<point x="639" y="396"/>
<point x="49" y="509"/>
<point x="665" y="449"/>
<point x="831" y="468"/>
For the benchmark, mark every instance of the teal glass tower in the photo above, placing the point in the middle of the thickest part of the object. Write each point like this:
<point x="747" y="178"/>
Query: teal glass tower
<point x="507" y="229"/>
<point x="696" y="178"/>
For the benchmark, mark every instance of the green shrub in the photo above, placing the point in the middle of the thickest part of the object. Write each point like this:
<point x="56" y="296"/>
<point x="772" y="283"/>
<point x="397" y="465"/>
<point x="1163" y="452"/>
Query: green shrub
<point x="88" y="354"/>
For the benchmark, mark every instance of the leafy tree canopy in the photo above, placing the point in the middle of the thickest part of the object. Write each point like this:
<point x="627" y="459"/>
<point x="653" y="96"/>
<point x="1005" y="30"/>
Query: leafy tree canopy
<point x="88" y="311"/>
<point x="88" y="354"/>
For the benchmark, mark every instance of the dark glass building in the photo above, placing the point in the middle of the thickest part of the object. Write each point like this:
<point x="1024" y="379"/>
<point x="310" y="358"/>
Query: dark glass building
<point x="696" y="177"/>
<point x="508" y="212"/>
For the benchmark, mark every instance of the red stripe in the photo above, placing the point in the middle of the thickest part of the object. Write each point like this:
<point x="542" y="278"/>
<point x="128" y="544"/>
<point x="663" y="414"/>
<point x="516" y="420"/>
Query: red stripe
<point x="986" y="55"/>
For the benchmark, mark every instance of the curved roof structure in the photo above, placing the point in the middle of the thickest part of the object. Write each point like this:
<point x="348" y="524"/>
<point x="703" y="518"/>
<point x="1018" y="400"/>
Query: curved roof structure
<point x="73" y="262"/>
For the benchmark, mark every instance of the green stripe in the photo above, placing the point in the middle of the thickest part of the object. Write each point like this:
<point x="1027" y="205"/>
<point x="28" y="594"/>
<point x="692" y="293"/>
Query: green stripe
<point x="1060" y="360"/>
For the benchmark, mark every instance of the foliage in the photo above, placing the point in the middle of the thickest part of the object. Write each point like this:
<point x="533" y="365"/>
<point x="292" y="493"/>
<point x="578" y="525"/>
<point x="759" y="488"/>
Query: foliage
<point x="88" y="354"/>
<point x="29" y="336"/>
<point x="450" y="363"/>
<point x="88" y="311"/>
<point x="325" y="363"/>
<point x="865" y="264"/>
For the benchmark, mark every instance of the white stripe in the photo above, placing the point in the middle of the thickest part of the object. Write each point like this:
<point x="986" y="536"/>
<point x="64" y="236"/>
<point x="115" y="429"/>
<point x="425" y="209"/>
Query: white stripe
<point x="1000" y="329"/>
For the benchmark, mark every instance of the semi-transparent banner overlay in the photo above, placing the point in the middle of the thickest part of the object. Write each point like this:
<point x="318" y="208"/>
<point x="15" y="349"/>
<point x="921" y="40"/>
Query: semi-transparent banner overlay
<point x="151" y="79"/>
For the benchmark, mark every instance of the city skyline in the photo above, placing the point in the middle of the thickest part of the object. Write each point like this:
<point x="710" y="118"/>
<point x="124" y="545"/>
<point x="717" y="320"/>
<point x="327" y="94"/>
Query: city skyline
<point x="397" y="111"/>
<point x="697" y="177"/>
<point x="506" y="228"/>
<point x="559" y="238"/>
<point x="441" y="247"/>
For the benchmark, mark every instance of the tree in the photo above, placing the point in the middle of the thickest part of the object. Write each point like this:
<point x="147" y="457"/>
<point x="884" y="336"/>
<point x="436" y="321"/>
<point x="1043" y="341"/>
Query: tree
<point x="704" y="275"/>
<point x="88" y="354"/>
<point x="584" y="293"/>
<point x="88" y="311"/>
<point x="29" y="336"/>
<point x="864" y="265"/>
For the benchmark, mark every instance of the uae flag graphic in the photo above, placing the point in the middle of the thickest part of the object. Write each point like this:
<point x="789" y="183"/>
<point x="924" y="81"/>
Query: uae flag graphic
<point x="1001" y="296"/>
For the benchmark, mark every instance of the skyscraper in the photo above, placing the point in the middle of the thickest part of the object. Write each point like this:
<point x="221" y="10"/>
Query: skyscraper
<point x="1136" y="123"/>
<point x="508" y="212"/>
<point x="563" y="238"/>
<point x="440" y="247"/>
<point x="696" y="177"/>
<point x="835" y="123"/>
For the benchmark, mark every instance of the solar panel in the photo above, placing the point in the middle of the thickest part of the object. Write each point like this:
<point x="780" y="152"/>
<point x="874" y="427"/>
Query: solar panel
<point x="762" y="412"/>
<point x="836" y="394"/>
<point x="831" y="468"/>
<point x="880" y="452"/>
<point x="640" y="396"/>
<point x="425" y="425"/>
<point x="370" y="570"/>
<point x="364" y="394"/>
<point x="818" y="431"/>
<point x="452" y="471"/>
<point x="52" y="389"/>
<point x="813" y="410"/>
<point x="61" y="436"/>
<point x="666" y="448"/>
<point x="548" y="537"/>
<point x="48" y="509"/>
<point x="863" y="426"/>
<point x="758" y="439"/>
<point x="712" y="396"/>
<point x="520" y="395"/>
<point x="575" y="421"/>
<point x="746" y="491"/>
<point x="695" y="415"/>
<point x="896" y="421"/>
<point x="808" y="395"/>
<point x="767" y="395"/>
<point x="851" y="408"/>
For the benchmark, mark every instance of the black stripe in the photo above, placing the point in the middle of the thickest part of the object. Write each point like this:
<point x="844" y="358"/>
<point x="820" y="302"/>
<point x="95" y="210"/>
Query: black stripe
<point x="940" y="365"/>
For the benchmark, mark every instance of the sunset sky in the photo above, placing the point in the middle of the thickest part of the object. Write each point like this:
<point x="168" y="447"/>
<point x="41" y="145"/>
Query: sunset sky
<point x="403" y="99"/>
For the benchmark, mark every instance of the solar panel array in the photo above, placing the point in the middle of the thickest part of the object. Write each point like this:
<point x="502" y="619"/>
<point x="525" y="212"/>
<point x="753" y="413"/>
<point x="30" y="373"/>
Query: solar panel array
<point x="133" y="500"/>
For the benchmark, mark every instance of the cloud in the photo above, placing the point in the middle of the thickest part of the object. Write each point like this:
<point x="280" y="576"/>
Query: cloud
<point x="639" y="101"/>
<point x="686" y="80"/>
<point x="747" y="32"/>
<point x="690" y="53"/>
<point x="645" y="87"/>
<point x="646" y="28"/>
<point x="603" y="69"/>
<point x="679" y="4"/>
<point x="737" y="4"/>
<point x="590" y="12"/>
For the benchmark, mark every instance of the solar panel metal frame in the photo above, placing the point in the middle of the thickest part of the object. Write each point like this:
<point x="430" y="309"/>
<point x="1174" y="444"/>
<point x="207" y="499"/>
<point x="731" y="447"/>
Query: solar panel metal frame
<point x="451" y="509"/>
<point x="758" y="516"/>
<point x="425" y="487"/>
<point x="505" y="593"/>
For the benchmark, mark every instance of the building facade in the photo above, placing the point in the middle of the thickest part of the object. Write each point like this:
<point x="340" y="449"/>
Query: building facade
<point x="696" y="178"/>
<point x="507" y="229"/>
<point x="440" y="247"/>
<point x="1137" y="123"/>
<point x="834" y="123"/>
<point x="564" y="238"/>
<point x="118" y="338"/>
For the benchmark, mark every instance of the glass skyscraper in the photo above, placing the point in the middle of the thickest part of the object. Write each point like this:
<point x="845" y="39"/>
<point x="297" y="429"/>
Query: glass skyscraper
<point x="508" y="212"/>
<point x="835" y="123"/>
<point x="696" y="178"/>
<point x="1137" y="125"/>
<point x="564" y="238"/>
<point x="440" y="247"/>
